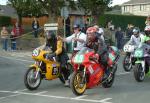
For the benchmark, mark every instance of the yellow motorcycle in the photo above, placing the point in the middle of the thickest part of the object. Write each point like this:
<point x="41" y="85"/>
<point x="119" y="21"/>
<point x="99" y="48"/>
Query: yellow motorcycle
<point x="43" y="69"/>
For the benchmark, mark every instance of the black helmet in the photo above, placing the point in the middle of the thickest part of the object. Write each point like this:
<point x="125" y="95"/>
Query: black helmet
<point x="50" y="34"/>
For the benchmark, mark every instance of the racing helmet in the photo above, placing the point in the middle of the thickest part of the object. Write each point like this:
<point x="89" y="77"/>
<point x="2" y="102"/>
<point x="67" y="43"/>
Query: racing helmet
<point x="136" y="32"/>
<point x="91" y="33"/>
<point x="50" y="35"/>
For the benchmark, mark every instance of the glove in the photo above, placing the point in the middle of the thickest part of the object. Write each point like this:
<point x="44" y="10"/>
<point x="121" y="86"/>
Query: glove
<point x="50" y="56"/>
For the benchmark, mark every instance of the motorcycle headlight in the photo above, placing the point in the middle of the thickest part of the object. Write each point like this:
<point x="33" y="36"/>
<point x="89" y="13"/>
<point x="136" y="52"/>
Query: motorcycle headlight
<point x="35" y="52"/>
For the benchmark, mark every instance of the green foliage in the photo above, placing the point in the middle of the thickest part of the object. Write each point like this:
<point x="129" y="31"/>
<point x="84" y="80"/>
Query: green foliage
<point x="96" y="7"/>
<point x="25" y="7"/>
<point x="5" y="20"/>
<point x="123" y="20"/>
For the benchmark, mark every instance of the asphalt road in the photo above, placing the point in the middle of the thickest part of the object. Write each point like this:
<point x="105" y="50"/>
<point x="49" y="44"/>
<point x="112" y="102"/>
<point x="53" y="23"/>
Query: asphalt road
<point x="12" y="90"/>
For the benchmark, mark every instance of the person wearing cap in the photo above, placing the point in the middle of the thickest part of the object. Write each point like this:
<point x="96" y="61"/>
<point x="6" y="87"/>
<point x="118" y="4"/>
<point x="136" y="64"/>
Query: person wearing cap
<point x="56" y="46"/>
<point x="78" y="39"/>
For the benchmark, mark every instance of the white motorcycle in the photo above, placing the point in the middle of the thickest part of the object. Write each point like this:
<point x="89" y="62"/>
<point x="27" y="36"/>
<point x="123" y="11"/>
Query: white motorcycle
<point x="128" y="62"/>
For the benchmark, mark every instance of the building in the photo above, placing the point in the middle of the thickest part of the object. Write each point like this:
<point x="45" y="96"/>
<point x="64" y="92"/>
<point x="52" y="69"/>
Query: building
<point x="6" y="10"/>
<point x="136" y="7"/>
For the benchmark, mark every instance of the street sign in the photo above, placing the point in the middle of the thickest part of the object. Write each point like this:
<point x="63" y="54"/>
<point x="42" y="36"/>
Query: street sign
<point x="65" y="12"/>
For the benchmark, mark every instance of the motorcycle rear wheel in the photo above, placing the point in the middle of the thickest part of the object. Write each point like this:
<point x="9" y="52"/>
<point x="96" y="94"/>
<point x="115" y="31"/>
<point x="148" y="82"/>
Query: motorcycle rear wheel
<point x="78" y="83"/>
<point x="109" y="82"/>
<point x="30" y="81"/>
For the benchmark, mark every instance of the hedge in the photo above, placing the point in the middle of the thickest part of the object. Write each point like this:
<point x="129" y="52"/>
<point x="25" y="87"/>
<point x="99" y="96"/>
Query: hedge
<point x="5" y="20"/>
<point x="123" y="20"/>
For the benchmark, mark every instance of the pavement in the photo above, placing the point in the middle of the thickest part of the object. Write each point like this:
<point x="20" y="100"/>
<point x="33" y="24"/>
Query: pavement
<point x="17" y="53"/>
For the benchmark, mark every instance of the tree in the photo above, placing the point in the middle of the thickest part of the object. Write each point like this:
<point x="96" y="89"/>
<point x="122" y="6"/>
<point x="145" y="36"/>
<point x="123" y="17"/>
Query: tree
<point x="95" y="7"/>
<point x="24" y="7"/>
<point x="53" y="7"/>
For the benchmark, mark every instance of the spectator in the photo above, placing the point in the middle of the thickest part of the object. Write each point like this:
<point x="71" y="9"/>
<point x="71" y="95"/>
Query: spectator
<point x="129" y="30"/>
<point x="119" y="38"/>
<point x="4" y="36"/>
<point x="16" y="31"/>
<point x="78" y="39"/>
<point x="110" y="25"/>
<point x="147" y="22"/>
<point x="35" y="27"/>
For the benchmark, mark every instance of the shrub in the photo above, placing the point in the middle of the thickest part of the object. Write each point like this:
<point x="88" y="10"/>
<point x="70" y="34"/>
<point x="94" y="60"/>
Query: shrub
<point x="5" y="20"/>
<point x="123" y="20"/>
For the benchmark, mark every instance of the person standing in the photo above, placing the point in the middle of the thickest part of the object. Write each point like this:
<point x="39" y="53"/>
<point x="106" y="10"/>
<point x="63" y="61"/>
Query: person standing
<point x="119" y="38"/>
<point x="78" y="39"/>
<point x="4" y="36"/>
<point x="35" y="27"/>
<point x="16" y="31"/>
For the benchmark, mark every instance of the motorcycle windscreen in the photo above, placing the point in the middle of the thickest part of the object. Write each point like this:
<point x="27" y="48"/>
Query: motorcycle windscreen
<point x="79" y="57"/>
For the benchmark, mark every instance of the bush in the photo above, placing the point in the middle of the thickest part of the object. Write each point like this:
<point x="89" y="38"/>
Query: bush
<point x="123" y="20"/>
<point x="5" y="20"/>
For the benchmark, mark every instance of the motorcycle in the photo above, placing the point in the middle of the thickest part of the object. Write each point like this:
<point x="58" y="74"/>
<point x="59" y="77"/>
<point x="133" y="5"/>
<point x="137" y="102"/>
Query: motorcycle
<point x="127" y="61"/>
<point x="43" y="69"/>
<point x="142" y="62"/>
<point x="88" y="72"/>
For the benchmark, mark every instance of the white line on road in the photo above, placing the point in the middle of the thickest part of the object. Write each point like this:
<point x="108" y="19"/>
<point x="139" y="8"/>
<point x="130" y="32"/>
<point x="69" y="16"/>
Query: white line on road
<point x="41" y="92"/>
<point x="123" y="73"/>
<point x="79" y="97"/>
<point x="20" y="90"/>
<point x="105" y="100"/>
<point x="58" y="97"/>
<point x="9" y="96"/>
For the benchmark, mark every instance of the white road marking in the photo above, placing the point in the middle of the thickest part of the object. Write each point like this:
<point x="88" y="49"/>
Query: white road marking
<point x="58" y="97"/>
<point x="79" y="97"/>
<point x="20" y="90"/>
<point x="9" y="96"/>
<point x="105" y="100"/>
<point x="123" y="73"/>
<point x="41" y="92"/>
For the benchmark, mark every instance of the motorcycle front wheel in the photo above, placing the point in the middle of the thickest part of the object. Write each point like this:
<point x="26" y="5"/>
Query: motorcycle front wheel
<point x="126" y="63"/>
<point x="78" y="83"/>
<point x="139" y="74"/>
<point x="32" y="79"/>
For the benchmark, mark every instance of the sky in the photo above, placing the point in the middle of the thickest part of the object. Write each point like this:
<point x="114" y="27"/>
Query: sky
<point x="115" y="2"/>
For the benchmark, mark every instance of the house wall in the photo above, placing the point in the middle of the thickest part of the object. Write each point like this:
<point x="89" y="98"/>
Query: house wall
<point x="141" y="9"/>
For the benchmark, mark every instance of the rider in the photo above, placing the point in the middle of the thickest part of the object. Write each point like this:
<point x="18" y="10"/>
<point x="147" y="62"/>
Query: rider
<point x="96" y="43"/>
<point x="58" y="50"/>
<point x="147" y="35"/>
<point x="136" y="38"/>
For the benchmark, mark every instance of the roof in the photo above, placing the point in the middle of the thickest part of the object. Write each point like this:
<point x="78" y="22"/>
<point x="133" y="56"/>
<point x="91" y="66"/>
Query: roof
<point x="6" y="10"/>
<point x="135" y="2"/>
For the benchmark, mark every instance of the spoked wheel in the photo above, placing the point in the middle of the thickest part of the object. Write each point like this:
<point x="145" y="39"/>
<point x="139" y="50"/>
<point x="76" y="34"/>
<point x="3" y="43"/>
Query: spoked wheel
<point x="78" y="83"/>
<point x="126" y="63"/>
<point x="139" y="74"/>
<point x="32" y="79"/>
